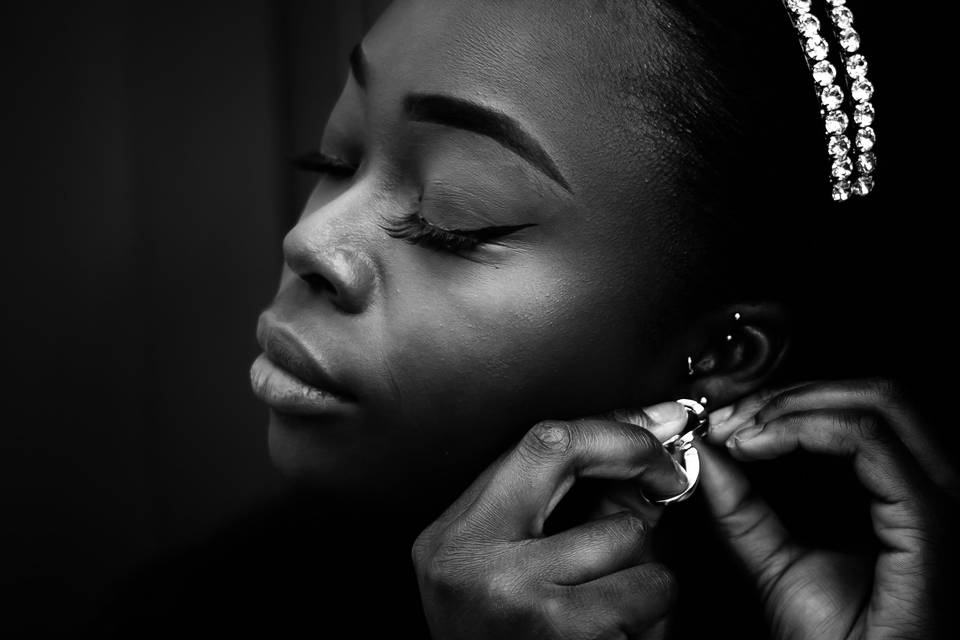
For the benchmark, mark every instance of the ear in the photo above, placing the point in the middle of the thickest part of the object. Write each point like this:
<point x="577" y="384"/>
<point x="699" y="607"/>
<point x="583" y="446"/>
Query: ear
<point x="735" y="350"/>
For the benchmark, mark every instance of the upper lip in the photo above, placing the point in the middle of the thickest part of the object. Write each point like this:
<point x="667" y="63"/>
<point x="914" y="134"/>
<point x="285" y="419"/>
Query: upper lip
<point x="285" y="350"/>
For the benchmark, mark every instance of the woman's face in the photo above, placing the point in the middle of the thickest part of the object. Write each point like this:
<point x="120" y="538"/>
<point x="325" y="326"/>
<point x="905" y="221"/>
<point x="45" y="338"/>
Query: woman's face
<point x="495" y="258"/>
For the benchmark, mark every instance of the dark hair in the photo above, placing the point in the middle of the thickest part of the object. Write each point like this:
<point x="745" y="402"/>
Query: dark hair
<point x="746" y="138"/>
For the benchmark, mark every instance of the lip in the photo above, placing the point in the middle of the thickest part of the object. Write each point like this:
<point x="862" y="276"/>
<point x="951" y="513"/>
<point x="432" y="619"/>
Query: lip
<point x="290" y="379"/>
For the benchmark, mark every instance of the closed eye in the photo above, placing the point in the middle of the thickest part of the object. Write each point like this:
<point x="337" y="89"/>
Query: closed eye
<point x="415" y="229"/>
<point x="325" y="164"/>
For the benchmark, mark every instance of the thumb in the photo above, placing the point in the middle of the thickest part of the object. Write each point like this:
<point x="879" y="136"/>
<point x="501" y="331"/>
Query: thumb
<point x="746" y="522"/>
<point x="663" y="420"/>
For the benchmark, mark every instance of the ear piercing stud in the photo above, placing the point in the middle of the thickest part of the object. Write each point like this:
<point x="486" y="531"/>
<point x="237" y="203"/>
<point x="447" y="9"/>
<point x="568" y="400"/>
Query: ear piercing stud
<point x="690" y="368"/>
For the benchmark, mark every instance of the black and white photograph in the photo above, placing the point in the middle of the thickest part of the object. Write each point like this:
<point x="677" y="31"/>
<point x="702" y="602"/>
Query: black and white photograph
<point x="479" y="320"/>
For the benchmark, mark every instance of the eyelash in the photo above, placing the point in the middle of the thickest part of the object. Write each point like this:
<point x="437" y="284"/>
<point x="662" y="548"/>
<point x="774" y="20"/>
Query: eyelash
<point x="411" y="227"/>
<point x="322" y="163"/>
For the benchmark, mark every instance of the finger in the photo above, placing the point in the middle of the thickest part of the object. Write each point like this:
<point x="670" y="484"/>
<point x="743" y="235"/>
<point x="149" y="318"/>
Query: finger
<point x="594" y="549"/>
<point x="523" y="491"/>
<point x="624" y="604"/>
<point x="745" y="521"/>
<point x="725" y="420"/>
<point x="881" y="461"/>
<point x="877" y="395"/>
<point x="623" y="496"/>
<point x="663" y="420"/>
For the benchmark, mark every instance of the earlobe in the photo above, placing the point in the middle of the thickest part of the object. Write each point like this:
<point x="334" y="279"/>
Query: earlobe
<point x="739" y="351"/>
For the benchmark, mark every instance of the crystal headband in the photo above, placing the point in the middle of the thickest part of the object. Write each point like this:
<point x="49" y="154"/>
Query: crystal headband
<point x="853" y="164"/>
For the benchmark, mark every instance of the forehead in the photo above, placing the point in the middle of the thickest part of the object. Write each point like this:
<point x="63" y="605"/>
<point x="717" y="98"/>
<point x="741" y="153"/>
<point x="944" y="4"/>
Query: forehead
<point x="572" y="71"/>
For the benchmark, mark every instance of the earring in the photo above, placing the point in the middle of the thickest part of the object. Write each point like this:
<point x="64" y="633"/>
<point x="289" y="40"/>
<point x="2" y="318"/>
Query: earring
<point x="680" y="448"/>
<point x="736" y="319"/>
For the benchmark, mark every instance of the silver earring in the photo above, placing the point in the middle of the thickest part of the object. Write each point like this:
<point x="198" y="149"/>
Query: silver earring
<point x="680" y="447"/>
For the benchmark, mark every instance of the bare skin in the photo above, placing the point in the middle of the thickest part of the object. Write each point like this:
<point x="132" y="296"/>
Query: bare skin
<point x="811" y="593"/>
<point x="486" y="568"/>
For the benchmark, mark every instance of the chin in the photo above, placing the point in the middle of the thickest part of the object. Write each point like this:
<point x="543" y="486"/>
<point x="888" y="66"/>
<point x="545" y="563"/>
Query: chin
<point x="334" y="459"/>
<point x="306" y="450"/>
<point x="345" y="463"/>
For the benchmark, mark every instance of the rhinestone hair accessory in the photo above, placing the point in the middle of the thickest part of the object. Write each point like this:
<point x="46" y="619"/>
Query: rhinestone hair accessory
<point x="852" y="162"/>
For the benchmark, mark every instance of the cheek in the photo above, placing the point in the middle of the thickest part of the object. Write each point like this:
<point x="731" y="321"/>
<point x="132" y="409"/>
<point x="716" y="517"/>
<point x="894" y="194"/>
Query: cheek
<point x="495" y="349"/>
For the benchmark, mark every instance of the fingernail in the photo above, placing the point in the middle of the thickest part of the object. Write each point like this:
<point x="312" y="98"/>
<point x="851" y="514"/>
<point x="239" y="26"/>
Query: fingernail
<point x="744" y="434"/>
<point x="721" y="415"/>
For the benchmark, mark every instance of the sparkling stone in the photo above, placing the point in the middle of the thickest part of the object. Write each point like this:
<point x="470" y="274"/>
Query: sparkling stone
<point x="864" y="185"/>
<point x="867" y="162"/>
<point x="799" y="6"/>
<point x="864" y="114"/>
<point x="866" y="139"/>
<point x="842" y="168"/>
<point x="857" y="66"/>
<point x="817" y="48"/>
<point x="862" y="90"/>
<point x="808" y="24"/>
<point x="850" y="40"/>
<point x="837" y="122"/>
<point x="832" y="97"/>
<point x="842" y="17"/>
<point x="838" y="146"/>
<point x="824" y="73"/>
<point x="841" y="191"/>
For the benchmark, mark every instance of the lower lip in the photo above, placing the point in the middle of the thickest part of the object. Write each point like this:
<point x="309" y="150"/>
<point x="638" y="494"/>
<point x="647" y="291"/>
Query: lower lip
<point x="288" y="394"/>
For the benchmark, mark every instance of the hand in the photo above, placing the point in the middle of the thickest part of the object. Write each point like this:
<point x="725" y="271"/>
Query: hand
<point x="486" y="570"/>
<point x="810" y="593"/>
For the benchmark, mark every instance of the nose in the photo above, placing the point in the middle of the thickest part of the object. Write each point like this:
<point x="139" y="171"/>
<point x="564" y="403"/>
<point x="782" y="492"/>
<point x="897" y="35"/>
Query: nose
<point x="331" y="263"/>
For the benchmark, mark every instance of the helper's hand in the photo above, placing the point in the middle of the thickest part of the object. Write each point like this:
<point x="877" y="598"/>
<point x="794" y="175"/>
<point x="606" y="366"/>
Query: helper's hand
<point x="486" y="569"/>
<point x="816" y="594"/>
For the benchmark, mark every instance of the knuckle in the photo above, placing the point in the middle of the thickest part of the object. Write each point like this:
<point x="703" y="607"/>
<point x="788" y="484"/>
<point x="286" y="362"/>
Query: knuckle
<point x="427" y="543"/>
<point x="547" y="438"/>
<point x="854" y="422"/>
<point x="439" y="565"/>
<point x="773" y="398"/>
<point x="503" y="591"/>
<point x="420" y="551"/>
<point x="778" y="403"/>
<point x="435" y="572"/>
<point x="862" y="425"/>
<point x="552" y="609"/>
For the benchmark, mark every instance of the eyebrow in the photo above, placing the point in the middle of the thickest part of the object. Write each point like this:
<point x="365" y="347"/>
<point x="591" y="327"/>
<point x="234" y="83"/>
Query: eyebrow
<point x="469" y="116"/>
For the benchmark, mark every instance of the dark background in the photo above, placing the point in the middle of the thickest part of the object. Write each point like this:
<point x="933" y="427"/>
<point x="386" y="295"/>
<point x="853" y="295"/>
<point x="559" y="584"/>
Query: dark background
<point x="147" y="189"/>
<point x="146" y="193"/>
